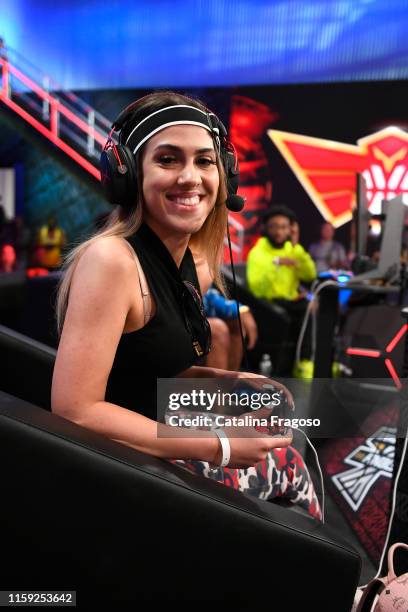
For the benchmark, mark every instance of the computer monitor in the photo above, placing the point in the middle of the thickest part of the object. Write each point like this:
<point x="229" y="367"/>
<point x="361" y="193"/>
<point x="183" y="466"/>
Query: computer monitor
<point x="361" y="216"/>
<point x="391" y="240"/>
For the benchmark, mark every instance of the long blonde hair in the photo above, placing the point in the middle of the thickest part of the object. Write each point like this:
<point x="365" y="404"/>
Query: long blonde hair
<point x="123" y="222"/>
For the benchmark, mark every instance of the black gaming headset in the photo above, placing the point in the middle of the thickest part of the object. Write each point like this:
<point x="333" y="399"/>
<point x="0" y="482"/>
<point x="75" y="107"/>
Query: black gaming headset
<point x="118" y="161"/>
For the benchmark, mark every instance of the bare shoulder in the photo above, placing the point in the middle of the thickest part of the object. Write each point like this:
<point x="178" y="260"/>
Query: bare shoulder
<point x="105" y="268"/>
<point x="107" y="257"/>
<point x="111" y="251"/>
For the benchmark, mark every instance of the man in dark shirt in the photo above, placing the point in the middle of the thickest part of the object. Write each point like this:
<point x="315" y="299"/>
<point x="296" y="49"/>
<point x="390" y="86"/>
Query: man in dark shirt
<point x="327" y="253"/>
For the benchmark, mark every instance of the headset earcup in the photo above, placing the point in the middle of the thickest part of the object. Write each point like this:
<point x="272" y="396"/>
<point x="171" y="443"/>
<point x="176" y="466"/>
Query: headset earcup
<point x="234" y="202"/>
<point x="107" y="166"/>
<point x="130" y="189"/>
<point x="119" y="181"/>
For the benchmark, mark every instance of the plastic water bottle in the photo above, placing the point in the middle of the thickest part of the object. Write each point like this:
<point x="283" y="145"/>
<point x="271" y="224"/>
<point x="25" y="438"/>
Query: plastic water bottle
<point x="265" y="365"/>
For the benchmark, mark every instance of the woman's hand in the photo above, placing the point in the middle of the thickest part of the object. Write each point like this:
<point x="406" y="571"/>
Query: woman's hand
<point x="248" y="445"/>
<point x="261" y="383"/>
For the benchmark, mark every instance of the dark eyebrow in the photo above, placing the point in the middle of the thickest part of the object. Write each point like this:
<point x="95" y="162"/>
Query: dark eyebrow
<point x="178" y="149"/>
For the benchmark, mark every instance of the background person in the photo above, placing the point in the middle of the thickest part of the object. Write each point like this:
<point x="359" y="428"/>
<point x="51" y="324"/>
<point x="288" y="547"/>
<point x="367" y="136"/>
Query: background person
<point x="226" y="347"/>
<point x="294" y="233"/>
<point x="275" y="269"/>
<point x="8" y="258"/>
<point x="327" y="253"/>
<point x="49" y="244"/>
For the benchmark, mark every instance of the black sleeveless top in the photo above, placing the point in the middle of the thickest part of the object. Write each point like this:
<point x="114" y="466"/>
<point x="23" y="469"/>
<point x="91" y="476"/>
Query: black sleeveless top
<point x="163" y="348"/>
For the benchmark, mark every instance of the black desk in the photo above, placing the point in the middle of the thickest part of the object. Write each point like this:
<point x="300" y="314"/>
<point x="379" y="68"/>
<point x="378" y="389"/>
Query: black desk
<point x="327" y="317"/>
<point x="326" y="321"/>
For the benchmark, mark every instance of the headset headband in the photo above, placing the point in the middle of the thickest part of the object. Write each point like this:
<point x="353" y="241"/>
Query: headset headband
<point x="182" y="114"/>
<point x="119" y="172"/>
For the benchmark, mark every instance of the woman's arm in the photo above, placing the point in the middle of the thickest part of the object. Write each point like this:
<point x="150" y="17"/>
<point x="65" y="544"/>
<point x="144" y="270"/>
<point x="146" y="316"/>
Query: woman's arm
<point x="148" y="436"/>
<point x="101" y="301"/>
<point x="101" y="298"/>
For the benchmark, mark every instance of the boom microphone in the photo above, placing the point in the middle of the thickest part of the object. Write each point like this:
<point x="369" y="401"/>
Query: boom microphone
<point x="235" y="203"/>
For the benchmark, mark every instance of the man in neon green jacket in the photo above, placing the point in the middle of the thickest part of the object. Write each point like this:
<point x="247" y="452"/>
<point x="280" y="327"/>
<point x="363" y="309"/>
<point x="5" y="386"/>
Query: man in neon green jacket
<point x="275" y="269"/>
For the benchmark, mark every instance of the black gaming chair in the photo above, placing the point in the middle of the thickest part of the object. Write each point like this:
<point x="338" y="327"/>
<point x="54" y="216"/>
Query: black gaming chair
<point x="121" y="528"/>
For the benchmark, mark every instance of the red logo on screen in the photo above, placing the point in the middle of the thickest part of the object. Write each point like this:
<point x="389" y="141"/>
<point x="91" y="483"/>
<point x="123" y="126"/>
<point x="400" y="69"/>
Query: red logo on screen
<point x="327" y="169"/>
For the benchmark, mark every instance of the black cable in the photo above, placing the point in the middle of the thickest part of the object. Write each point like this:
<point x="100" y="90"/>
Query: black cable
<point x="234" y="286"/>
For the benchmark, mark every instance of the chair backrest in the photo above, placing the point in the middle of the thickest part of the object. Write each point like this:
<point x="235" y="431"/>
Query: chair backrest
<point x="26" y="367"/>
<point x="12" y="296"/>
<point x="240" y="273"/>
<point x="271" y="319"/>
<point x="37" y="317"/>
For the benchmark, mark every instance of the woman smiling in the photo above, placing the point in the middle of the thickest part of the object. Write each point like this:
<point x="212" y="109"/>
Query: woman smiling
<point x="129" y="307"/>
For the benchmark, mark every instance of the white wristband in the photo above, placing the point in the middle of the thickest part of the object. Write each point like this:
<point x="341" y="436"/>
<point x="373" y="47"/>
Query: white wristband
<point x="225" y="446"/>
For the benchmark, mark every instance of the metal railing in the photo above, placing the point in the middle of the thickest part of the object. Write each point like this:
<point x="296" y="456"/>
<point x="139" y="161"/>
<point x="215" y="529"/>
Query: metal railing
<point x="62" y="117"/>
<point x="66" y="120"/>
